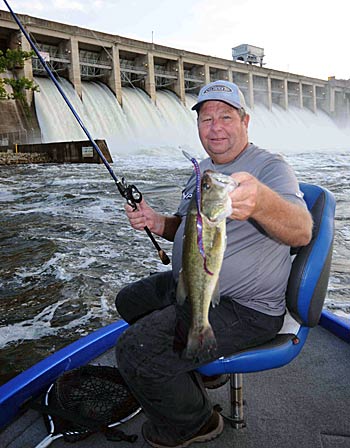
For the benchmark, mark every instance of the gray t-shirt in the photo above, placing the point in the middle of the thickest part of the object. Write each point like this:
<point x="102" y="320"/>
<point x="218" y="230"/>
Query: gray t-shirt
<point x="256" y="268"/>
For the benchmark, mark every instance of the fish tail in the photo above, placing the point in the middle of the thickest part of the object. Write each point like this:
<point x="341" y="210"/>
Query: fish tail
<point x="201" y="344"/>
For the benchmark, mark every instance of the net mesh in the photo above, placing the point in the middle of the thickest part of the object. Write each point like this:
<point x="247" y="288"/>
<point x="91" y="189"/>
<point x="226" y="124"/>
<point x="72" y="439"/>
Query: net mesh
<point x="97" y="394"/>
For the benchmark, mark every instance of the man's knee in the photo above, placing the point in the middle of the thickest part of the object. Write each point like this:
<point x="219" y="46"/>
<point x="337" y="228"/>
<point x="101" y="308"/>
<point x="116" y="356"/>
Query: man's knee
<point x="144" y="296"/>
<point x="120" y="349"/>
<point x="120" y="299"/>
<point x="134" y="352"/>
<point x="146" y="348"/>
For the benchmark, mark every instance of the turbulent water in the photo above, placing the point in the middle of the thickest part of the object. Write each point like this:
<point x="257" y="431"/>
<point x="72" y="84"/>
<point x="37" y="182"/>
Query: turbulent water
<point x="66" y="247"/>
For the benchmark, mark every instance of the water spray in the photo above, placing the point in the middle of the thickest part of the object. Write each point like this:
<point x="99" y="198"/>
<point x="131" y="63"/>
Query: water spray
<point x="131" y="194"/>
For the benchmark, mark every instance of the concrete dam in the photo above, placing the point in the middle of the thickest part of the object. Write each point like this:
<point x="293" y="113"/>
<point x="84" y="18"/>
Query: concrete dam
<point x="84" y="60"/>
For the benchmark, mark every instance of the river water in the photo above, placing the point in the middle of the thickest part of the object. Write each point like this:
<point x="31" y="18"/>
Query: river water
<point x="66" y="247"/>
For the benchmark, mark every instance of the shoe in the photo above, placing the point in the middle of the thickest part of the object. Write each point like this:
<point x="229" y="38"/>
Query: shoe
<point x="215" y="381"/>
<point x="212" y="429"/>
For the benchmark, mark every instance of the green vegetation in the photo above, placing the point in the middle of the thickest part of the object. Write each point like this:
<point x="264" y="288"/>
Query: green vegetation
<point x="11" y="61"/>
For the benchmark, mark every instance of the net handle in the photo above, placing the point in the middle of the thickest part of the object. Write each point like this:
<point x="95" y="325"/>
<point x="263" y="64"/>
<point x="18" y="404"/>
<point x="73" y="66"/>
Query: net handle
<point x="48" y="440"/>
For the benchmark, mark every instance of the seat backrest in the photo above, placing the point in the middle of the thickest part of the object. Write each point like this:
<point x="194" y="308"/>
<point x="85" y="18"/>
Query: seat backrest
<point x="308" y="280"/>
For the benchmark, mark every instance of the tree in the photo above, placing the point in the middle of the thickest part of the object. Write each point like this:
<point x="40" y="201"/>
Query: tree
<point x="12" y="60"/>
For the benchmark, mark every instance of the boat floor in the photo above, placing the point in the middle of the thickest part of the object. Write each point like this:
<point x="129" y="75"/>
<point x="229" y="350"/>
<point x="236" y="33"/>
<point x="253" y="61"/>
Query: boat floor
<point x="302" y="405"/>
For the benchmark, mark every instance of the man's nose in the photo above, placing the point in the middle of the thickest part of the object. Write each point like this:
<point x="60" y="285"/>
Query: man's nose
<point x="215" y="124"/>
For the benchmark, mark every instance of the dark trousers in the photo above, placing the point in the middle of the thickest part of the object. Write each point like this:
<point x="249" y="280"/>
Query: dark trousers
<point x="150" y="353"/>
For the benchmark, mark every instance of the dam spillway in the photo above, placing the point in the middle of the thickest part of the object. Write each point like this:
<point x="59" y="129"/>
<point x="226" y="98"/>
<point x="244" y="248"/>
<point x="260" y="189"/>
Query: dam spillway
<point x="168" y="126"/>
<point x="148" y="89"/>
<point x="80" y="54"/>
<point x="136" y="126"/>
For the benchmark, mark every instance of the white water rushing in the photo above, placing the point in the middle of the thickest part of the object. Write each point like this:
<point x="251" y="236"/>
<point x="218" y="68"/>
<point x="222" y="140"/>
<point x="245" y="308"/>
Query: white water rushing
<point x="140" y="126"/>
<point x="136" y="127"/>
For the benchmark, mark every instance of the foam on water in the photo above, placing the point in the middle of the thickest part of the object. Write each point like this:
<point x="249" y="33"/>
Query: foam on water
<point x="51" y="267"/>
<point x="41" y="325"/>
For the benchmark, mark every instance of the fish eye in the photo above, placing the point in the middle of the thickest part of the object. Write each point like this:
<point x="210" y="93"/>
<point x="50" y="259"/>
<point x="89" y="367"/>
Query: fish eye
<point x="206" y="186"/>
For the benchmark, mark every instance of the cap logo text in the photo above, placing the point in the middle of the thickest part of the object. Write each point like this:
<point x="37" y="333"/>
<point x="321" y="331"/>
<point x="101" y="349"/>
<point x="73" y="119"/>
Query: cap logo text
<point x="217" y="89"/>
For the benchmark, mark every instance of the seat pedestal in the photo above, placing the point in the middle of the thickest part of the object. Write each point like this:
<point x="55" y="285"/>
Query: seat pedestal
<point x="236" y="390"/>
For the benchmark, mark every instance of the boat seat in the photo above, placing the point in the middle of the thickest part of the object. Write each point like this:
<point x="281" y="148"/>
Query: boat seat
<point x="306" y="292"/>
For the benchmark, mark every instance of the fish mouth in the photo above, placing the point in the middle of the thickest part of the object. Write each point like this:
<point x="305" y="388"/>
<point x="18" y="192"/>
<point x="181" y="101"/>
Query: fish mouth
<point x="227" y="183"/>
<point x="214" y="221"/>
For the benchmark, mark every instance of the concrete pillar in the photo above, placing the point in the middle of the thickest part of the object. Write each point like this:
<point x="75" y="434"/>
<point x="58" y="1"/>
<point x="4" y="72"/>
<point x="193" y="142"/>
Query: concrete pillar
<point x="19" y="42"/>
<point x="301" y="103"/>
<point x="114" y="80"/>
<point x="74" y="66"/>
<point x="150" y="83"/>
<point x="180" y="82"/>
<point x="206" y="74"/>
<point x="269" y="93"/>
<point x="27" y="70"/>
<point x="250" y="90"/>
<point x="314" y="101"/>
<point x="285" y="88"/>
<point x="331" y="100"/>
<point x="229" y="75"/>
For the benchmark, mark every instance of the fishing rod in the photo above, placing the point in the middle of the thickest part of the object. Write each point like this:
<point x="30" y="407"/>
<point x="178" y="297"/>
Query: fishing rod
<point x="130" y="192"/>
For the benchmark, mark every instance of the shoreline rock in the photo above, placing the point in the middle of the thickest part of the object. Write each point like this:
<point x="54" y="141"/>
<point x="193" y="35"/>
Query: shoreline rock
<point x="11" y="158"/>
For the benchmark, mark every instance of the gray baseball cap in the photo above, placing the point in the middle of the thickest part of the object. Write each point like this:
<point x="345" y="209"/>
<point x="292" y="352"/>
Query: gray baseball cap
<point x="225" y="91"/>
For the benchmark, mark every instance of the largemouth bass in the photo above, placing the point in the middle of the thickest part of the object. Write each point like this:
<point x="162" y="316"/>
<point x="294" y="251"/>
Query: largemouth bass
<point x="199" y="276"/>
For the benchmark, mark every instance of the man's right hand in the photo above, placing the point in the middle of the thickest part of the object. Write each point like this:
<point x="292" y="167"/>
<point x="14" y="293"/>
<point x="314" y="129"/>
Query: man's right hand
<point x="144" y="216"/>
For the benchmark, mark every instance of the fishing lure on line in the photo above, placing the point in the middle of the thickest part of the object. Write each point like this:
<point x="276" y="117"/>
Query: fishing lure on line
<point x="199" y="216"/>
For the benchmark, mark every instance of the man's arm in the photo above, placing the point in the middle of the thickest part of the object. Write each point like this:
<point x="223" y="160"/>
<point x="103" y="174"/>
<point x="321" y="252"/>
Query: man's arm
<point x="162" y="225"/>
<point x="284" y="221"/>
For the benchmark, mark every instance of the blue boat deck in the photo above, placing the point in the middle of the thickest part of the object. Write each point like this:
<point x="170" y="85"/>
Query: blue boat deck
<point x="302" y="405"/>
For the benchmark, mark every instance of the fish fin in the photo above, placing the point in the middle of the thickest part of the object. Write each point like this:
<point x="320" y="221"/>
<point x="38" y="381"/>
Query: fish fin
<point x="201" y="345"/>
<point x="215" y="300"/>
<point x="181" y="290"/>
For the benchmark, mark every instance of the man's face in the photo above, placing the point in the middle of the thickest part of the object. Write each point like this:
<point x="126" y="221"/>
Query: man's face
<point x="222" y="131"/>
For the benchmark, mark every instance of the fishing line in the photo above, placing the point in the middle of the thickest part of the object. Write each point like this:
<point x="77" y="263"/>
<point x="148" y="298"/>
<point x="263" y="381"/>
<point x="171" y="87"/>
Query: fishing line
<point x="132" y="195"/>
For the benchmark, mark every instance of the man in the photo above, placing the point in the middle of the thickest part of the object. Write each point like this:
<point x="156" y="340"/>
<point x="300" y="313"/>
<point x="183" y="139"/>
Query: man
<point x="268" y="216"/>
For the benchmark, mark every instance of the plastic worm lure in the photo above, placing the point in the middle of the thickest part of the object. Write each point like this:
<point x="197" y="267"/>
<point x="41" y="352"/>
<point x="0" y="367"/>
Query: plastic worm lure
<point x="199" y="216"/>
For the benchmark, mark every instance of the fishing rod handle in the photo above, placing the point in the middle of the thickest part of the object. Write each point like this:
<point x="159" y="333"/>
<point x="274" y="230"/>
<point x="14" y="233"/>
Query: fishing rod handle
<point x="162" y="255"/>
<point x="133" y="197"/>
